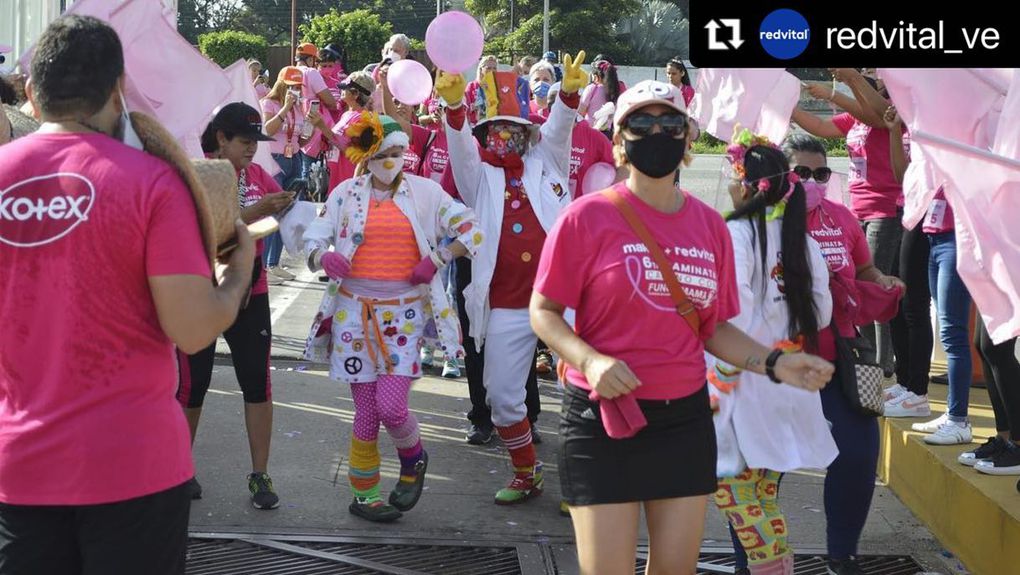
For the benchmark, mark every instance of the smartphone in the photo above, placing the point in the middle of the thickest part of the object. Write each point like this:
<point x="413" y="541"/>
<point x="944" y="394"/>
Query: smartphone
<point x="306" y="132"/>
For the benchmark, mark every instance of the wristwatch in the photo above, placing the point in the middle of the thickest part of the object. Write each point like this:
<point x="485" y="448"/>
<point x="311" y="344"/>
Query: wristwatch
<point x="770" y="365"/>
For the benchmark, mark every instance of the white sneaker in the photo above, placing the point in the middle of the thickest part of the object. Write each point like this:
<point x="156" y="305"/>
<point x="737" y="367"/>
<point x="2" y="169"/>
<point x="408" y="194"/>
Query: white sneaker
<point x="451" y="369"/>
<point x="893" y="392"/>
<point x="950" y="433"/>
<point x="426" y="356"/>
<point x="931" y="426"/>
<point x="281" y="273"/>
<point x="908" y="404"/>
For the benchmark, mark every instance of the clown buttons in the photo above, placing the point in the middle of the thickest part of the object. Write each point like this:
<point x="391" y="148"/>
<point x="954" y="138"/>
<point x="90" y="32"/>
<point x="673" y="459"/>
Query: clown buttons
<point x="518" y="228"/>
<point x="358" y="239"/>
<point x="526" y="257"/>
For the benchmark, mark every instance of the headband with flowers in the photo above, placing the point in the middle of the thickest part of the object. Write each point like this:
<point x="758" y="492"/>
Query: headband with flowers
<point x="743" y="140"/>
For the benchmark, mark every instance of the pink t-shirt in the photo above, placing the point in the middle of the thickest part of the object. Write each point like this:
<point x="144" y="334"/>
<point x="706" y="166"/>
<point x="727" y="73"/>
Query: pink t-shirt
<point x="594" y="96"/>
<point x="594" y="263"/>
<point x="258" y="183"/>
<point x="588" y="147"/>
<point x="939" y="218"/>
<point x="313" y="85"/>
<point x="688" y="93"/>
<point x="414" y="152"/>
<point x="874" y="191"/>
<point x="293" y="123"/>
<point x="340" y="168"/>
<point x="844" y="247"/>
<point x="261" y="90"/>
<point x="87" y="376"/>
<point x="437" y="158"/>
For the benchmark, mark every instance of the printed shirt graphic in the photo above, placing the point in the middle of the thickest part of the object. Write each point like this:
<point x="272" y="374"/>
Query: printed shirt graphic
<point x="87" y="376"/>
<point x="257" y="184"/>
<point x="593" y="262"/>
<point x="844" y="248"/>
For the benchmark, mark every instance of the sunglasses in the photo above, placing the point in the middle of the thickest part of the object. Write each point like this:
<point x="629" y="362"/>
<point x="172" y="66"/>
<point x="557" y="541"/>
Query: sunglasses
<point x="821" y="175"/>
<point x="641" y="125"/>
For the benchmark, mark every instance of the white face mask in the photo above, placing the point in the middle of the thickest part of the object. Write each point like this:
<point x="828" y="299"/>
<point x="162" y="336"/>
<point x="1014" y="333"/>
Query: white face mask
<point x="385" y="169"/>
<point x="126" y="132"/>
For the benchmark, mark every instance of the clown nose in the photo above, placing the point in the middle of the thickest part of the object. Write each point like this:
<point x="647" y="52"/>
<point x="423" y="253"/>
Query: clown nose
<point x="388" y="164"/>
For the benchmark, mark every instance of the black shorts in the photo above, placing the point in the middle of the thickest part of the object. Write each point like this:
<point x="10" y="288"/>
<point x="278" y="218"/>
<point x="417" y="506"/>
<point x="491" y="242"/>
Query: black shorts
<point x="144" y="535"/>
<point x="674" y="456"/>
<point x="250" y="340"/>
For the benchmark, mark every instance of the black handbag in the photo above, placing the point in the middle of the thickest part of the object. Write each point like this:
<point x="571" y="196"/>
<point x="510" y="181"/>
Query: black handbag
<point x="860" y="375"/>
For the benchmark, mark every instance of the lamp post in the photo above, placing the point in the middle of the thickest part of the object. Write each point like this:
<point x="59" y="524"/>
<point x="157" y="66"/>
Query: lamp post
<point x="545" y="27"/>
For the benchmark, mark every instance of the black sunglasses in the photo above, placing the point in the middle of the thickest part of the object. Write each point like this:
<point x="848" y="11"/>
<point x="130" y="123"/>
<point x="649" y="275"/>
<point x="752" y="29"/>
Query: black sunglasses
<point x="641" y="124"/>
<point x="821" y="175"/>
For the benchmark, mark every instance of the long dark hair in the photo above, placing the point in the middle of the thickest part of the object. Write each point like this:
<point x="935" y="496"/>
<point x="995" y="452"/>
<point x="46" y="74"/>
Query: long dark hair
<point x="770" y="163"/>
<point x="610" y="81"/>
<point x="677" y="63"/>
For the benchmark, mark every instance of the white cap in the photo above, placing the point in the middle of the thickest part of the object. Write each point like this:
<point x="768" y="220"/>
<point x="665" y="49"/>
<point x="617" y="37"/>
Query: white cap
<point x="647" y="93"/>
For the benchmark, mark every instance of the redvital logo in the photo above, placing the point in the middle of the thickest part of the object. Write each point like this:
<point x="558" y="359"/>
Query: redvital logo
<point x="44" y="209"/>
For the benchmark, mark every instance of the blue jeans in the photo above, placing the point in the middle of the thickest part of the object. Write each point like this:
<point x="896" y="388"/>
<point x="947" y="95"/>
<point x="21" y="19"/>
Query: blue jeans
<point x="290" y="170"/>
<point x="952" y="302"/>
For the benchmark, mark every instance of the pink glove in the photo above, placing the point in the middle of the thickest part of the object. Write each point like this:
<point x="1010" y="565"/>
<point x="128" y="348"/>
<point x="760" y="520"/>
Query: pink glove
<point x="335" y="265"/>
<point x="424" y="271"/>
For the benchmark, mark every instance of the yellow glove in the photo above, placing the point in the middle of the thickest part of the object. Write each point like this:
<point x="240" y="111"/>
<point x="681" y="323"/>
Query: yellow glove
<point x="451" y="88"/>
<point x="574" y="78"/>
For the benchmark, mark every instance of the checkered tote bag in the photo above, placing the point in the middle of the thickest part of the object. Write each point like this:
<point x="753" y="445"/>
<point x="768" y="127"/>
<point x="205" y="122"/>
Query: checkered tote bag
<point x="860" y="375"/>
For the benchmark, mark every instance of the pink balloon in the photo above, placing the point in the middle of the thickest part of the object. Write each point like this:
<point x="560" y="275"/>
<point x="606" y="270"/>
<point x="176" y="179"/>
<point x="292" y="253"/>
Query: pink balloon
<point x="454" y="42"/>
<point x="409" y="82"/>
<point x="599" y="177"/>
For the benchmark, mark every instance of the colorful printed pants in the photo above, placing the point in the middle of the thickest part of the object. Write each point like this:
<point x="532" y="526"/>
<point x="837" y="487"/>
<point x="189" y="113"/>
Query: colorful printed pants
<point x="748" y="500"/>
<point x="383" y="401"/>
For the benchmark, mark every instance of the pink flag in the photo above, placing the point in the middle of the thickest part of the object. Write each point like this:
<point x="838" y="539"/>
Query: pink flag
<point x="761" y="100"/>
<point x="165" y="76"/>
<point x="242" y="90"/>
<point x="177" y="82"/>
<point x="963" y="108"/>
<point x="984" y="190"/>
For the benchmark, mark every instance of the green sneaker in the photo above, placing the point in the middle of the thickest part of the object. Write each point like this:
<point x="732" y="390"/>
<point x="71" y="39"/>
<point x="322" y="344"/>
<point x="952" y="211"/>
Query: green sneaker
<point x="521" y="489"/>
<point x="263" y="496"/>
<point x="378" y="510"/>
<point x="405" y="495"/>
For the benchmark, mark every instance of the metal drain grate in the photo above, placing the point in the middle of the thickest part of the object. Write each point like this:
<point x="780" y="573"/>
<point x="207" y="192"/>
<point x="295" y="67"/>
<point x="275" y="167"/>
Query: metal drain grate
<point x="282" y="556"/>
<point x="717" y="563"/>
<point x="248" y="554"/>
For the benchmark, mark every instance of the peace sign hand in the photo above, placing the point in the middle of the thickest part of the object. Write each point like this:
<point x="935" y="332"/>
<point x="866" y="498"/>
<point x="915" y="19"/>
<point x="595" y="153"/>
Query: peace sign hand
<point x="574" y="78"/>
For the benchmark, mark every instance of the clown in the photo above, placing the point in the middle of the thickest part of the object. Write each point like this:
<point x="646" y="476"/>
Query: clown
<point x="517" y="182"/>
<point x="386" y="228"/>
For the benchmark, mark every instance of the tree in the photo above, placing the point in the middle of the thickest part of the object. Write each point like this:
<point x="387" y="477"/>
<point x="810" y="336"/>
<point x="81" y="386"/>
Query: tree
<point x="658" y="32"/>
<point x="573" y="25"/>
<point x="196" y="17"/>
<point x="228" y="46"/>
<point x="361" y="33"/>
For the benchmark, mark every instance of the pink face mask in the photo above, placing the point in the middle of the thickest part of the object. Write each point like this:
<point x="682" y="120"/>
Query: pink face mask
<point x="813" y="194"/>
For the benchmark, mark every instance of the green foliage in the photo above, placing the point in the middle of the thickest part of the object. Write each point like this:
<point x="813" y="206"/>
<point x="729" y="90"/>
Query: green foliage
<point x="361" y="32"/>
<point x="228" y="46"/>
<point x="573" y="25"/>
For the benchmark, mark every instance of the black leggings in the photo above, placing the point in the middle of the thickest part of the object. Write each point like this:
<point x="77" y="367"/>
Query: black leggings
<point x="250" y="339"/>
<point x="911" y="328"/>
<point x="1002" y="378"/>
<point x="474" y="362"/>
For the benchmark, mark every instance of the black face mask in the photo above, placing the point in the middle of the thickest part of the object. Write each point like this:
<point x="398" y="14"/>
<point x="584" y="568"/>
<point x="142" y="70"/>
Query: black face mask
<point x="656" y="155"/>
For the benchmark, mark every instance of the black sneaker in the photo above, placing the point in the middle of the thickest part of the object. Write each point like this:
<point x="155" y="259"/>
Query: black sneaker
<point x="377" y="511"/>
<point x="1007" y="462"/>
<point x="195" y="488"/>
<point x="479" y="435"/>
<point x="742" y="571"/>
<point x="843" y="567"/>
<point x="263" y="496"/>
<point x="405" y="495"/>
<point x="990" y="450"/>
